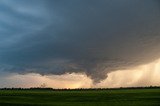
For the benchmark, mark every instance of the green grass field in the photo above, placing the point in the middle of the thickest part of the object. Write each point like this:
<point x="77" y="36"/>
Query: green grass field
<point x="121" y="97"/>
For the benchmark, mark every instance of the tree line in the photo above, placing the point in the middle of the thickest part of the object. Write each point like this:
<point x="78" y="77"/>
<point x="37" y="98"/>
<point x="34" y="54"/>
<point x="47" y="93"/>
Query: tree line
<point x="78" y="89"/>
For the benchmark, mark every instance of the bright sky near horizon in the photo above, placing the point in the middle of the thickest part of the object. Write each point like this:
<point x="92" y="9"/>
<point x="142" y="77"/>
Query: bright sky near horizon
<point x="144" y="75"/>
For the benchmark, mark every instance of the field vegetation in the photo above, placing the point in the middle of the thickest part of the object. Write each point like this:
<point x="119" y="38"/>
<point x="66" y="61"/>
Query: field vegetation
<point x="80" y="97"/>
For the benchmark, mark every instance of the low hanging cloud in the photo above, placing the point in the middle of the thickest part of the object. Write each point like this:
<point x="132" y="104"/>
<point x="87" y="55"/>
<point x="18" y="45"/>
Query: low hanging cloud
<point x="80" y="36"/>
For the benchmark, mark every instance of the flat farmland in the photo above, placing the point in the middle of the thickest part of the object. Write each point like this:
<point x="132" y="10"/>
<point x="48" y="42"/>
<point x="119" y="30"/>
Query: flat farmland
<point x="108" y="97"/>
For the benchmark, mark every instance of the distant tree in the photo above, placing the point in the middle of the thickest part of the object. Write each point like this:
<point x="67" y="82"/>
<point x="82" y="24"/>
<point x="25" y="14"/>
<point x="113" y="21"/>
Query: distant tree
<point x="43" y="85"/>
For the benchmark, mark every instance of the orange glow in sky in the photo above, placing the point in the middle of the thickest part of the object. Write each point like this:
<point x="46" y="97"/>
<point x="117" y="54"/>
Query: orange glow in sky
<point x="144" y="75"/>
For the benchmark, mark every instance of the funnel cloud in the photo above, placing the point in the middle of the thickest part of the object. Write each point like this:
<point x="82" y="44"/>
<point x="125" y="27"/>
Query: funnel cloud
<point x="78" y="36"/>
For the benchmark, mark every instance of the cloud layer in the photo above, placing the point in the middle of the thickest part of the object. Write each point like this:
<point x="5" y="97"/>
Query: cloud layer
<point x="92" y="37"/>
<point x="144" y="75"/>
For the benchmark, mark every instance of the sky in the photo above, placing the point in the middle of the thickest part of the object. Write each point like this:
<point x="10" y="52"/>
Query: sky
<point x="79" y="43"/>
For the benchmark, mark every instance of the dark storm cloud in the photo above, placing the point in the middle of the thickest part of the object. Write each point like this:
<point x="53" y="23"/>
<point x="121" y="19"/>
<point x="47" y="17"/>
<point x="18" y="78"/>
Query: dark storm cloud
<point x="90" y="36"/>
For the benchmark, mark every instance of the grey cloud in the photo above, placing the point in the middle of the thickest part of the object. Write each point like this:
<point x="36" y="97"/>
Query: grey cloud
<point x="90" y="36"/>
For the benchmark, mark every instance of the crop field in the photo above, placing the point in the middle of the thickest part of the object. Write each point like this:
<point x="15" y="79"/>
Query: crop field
<point x="118" y="97"/>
